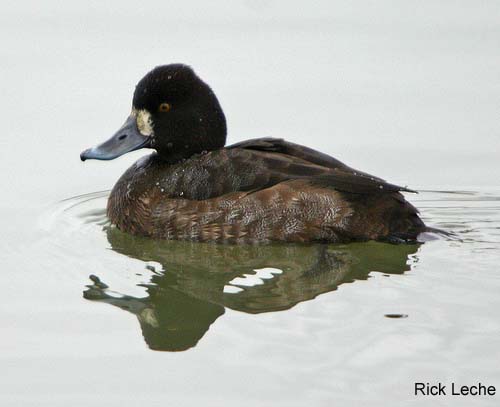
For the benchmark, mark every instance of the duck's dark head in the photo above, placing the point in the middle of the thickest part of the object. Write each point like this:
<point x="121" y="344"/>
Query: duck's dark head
<point x="173" y="112"/>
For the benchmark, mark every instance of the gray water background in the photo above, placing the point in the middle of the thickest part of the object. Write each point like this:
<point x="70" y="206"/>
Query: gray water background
<point x="408" y="91"/>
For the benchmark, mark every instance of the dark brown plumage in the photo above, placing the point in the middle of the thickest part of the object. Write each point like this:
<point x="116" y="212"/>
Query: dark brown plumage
<point x="244" y="193"/>
<point x="258" y="190"/>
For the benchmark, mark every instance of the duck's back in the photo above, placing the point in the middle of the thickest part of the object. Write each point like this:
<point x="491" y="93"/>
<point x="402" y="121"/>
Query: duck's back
<point x="256" y="191"/>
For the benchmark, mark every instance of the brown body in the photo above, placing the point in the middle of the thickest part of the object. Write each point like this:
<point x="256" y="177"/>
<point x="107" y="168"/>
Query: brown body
<point x="258" y="191"/>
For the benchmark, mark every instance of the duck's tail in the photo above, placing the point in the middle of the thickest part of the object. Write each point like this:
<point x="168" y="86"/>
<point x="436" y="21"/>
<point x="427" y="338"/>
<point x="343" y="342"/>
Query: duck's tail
<point x="429" y="233"/>
<point x="437" y="231"/>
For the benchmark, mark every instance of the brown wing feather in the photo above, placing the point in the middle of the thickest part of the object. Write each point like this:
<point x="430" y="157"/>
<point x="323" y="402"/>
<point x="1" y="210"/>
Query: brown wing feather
<point x="284" y="161"/>
<point x="278" y="145"/>
<point x="249" y="166"/>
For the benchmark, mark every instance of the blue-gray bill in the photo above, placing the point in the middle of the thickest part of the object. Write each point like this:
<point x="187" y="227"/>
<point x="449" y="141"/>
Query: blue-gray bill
<point x="126" y="139"/>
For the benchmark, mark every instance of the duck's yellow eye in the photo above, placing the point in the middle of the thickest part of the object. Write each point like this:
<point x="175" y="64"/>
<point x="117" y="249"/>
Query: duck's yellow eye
<point x="164" y="107"/>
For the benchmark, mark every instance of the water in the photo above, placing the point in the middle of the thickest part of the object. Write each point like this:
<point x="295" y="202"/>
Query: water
<point x="187" y="286"/>
<point x="343" y="322"/>
<point x="91" y="316"/>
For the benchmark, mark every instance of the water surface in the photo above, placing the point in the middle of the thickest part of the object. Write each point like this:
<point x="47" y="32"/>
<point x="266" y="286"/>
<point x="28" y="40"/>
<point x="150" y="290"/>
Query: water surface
<point x="333" y="316"/>
<point x="407" y="91"/>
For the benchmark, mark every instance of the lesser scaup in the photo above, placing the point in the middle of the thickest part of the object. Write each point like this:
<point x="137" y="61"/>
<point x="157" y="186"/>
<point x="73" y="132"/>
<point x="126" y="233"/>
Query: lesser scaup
<point x="258" y="190"/>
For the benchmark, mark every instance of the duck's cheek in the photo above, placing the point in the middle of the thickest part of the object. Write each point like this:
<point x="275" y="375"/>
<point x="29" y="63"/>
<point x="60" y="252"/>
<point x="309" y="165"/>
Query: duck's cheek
<point x="144" y="122"/>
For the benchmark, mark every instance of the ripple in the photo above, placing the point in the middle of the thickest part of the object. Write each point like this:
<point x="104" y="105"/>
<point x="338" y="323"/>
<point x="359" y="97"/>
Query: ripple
<point x="183" y="287"/>
<point x="76" y="211"/>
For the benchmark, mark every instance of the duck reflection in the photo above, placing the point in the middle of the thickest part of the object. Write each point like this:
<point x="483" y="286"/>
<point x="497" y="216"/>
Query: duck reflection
<point x="199" y="280"/>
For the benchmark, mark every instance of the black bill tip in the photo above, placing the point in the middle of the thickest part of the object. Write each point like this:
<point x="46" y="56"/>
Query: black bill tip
<point x="83" y="155"/>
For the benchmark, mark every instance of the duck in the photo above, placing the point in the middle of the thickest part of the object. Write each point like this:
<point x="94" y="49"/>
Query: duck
<point x="193" y="187"/>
